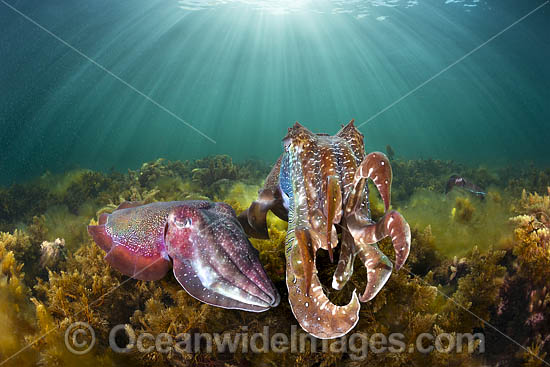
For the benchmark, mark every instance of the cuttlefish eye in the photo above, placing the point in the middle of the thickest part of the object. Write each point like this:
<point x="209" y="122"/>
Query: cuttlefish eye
<point x="286" y="143"/>
<point x="183" y="222"/>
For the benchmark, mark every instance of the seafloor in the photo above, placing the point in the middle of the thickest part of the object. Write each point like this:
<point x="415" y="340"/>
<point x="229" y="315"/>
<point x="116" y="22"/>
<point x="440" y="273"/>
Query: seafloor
<point x="476" y="266"/>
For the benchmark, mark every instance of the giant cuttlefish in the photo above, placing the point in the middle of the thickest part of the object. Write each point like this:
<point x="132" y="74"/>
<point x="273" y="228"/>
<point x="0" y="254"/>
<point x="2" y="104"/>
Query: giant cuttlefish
<point x="203" y="242"/>
<point x="319" y="185"/>
<point x="457" y="181"/>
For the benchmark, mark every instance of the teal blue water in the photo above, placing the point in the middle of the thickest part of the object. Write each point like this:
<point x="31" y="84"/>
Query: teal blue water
<point x="241" y="72"/>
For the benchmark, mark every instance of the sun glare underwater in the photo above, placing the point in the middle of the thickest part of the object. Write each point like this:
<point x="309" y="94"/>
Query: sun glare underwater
<point x="275" y="182"/>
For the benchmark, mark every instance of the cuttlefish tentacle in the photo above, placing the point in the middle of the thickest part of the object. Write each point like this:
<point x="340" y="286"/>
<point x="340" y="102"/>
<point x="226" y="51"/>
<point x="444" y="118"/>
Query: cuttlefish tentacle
<point x="344" y="270"/>
<point x="333" y="209"/>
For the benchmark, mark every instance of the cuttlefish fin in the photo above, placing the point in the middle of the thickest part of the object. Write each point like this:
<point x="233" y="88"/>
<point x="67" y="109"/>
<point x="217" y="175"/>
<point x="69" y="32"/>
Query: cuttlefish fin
<point x="138" y="266"/>
<point x="334" y="203"/>
<point x="100" y="235"/>
<point x="218" y="293"/>
<point x="126" y="261"/>
<point x="129" y="204"/>
<point x="103" y="218"/>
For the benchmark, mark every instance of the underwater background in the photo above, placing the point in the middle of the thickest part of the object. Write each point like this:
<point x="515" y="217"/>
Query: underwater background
<point x="242" y="72"/>
<point x="131" y="100"/>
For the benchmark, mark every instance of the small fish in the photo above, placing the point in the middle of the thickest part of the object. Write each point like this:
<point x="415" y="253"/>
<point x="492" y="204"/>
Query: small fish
<point x="457" y="181"/>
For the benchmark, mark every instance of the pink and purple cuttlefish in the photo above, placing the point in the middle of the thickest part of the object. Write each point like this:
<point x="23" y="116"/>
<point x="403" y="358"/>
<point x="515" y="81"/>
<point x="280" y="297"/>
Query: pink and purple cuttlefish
<point x="202" y="241"/>
<point x="319" y="185"/>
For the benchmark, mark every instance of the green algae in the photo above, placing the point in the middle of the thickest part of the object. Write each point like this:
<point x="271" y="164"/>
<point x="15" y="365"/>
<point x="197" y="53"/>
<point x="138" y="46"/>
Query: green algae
<point x="472" y="260"/>
<point x="460" y="222"/>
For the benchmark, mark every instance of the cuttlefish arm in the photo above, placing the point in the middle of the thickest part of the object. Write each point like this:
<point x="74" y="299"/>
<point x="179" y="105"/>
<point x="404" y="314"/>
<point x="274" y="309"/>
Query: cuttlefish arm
<point x="254" y="219"/>
<point x="204" y="243"/>
<point x="314" y="311"/>
<point x="366" y="233"/>
<point x="375" y="166"/>
<point x="378" y="265"/>
<point x="214" y="262"/>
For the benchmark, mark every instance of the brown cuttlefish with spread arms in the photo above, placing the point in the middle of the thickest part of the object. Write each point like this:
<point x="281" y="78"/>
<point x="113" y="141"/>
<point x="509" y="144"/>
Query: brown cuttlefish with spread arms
<point x="319" y="185"/>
